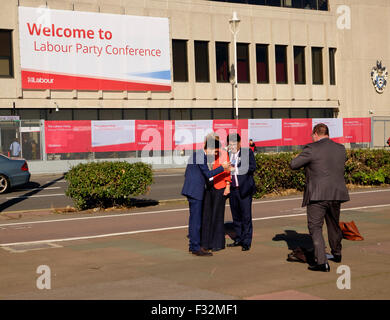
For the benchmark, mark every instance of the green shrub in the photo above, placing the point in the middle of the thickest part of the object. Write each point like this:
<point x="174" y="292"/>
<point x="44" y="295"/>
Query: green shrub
<point x="363" y="167"/>
<point x="106" y="184"/>
<point x="273" y="174"/>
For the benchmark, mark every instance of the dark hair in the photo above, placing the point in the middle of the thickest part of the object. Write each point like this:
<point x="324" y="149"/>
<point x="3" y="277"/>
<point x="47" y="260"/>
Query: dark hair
<point x="211" y="143"/>
<point x="233" y="137"/>
<point x="321" y="129"/>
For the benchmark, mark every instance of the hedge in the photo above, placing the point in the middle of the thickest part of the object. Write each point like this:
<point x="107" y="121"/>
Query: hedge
<point x="107" y="184"/>
<point x="363" y="167"/>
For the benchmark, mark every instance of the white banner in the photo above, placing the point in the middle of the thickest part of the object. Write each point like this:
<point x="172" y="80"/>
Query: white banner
<point x="109" y="133"/>
<point x="189" y="132"/>
<point x="61" y="49"/>
<point x="335" y="126"/>
<point x="265" y="129"/>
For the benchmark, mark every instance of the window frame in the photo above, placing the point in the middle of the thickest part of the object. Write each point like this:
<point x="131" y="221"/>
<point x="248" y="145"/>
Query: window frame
<point x="10" y="59"/>
<point x="186" y="61"/>
<point x="266" y="47"/>
<point x="207" y="62"/>
<point x="321" y="66"/>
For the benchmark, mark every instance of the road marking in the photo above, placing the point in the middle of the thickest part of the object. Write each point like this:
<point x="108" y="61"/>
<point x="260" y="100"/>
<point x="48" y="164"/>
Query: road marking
<point x="154" y="212"/>
<point x="95" y="217"/>
<point x="35" y="189"/>
<point x="37" y="196"/>
<point x="167" y="228"/>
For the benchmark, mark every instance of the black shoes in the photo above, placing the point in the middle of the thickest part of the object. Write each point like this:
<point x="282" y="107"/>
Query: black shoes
<point x="336" y="258"/>
<point x="234" y="244"/>
<point x="238" y="244"/>
<point x="202" y="253"/>
<point x="320" y="267"/>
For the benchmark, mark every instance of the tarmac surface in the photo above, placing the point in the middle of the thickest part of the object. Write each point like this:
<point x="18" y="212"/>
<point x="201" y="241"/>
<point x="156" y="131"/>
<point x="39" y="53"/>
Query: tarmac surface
<point x="143" y="254"/>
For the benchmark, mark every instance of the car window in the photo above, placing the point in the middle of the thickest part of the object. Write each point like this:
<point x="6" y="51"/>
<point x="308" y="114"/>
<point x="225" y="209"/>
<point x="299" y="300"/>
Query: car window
<point x="3" y="158"/>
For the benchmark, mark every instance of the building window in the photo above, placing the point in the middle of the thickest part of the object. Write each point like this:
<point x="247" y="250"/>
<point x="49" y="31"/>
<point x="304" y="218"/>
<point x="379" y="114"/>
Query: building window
<point x="300" y="4"/>
<point x="298" y="113"/>
<point x="262" y="63"/>
<point x="310" y="4"/>
<point x="179" y="57"/>
<point x="220" y="113"/>
<point x="243" y="62"/>
<point x="281" y="64"/>
<point x="317" y="68"/>
<point x="332" y="66"/>
<point x="222" y="61"/>
<point x="6" y="63"/>
<point x="201" y="114"/>
<point x="180" y="114"/>
<point x="299" y="65"/>
<point x="202" y="73"/>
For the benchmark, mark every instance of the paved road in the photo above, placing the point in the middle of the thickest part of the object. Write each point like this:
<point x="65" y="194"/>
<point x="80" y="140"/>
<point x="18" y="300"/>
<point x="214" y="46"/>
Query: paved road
<point x="57" y="228"/>
<point x="48" y="191"/>
<point x="143" y="263"/>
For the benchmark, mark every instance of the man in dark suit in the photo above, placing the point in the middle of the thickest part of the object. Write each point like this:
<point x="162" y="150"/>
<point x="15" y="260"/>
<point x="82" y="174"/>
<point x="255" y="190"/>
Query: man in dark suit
<point x="242" y="189"/>
<point x="196" y="175"/>
<point x="325" y="190"/>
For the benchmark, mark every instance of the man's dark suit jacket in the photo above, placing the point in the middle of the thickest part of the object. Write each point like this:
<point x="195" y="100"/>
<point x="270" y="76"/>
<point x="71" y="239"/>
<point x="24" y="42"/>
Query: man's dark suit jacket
<point x="324" y="163"/>
<point x="246" y="168"/>
<point x="197" y="174"/>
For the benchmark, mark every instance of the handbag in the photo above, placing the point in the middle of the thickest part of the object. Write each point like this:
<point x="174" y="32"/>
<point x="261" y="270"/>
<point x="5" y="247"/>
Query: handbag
<point x="350" y="231"/>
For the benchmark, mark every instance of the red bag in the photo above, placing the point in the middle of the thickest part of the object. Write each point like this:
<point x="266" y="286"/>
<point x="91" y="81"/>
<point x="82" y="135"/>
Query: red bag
<point x="350" y="231"/>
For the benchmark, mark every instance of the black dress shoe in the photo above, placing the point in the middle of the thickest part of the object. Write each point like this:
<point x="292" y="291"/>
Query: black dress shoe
<point x="245" y="248"/>
<point x="216" y="249"/>
<point x="320" y="267"/>
<point x="336" y="258"/>
<point x="234" y="244"/>
<point x="202" y="253"/>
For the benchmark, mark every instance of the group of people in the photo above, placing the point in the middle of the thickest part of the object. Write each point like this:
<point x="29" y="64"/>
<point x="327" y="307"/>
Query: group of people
<point x="216" y="173"/>
<point x="212" y="176"/>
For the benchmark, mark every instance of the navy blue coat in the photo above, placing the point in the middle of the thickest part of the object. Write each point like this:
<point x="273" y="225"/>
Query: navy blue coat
<point x="246" y="169"/>
<point x="197" y="174"/>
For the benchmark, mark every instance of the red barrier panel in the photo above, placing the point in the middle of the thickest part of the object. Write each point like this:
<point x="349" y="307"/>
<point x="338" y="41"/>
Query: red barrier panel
<point x="151" y="135"/>
<point x="68" y="136"/>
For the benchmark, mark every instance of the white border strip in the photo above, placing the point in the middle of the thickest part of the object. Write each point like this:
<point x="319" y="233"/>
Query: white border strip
<point x="166" y="229"/>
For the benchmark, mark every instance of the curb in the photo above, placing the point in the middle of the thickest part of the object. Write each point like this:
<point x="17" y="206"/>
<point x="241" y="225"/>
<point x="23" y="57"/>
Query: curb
<point x="67" y="210"/>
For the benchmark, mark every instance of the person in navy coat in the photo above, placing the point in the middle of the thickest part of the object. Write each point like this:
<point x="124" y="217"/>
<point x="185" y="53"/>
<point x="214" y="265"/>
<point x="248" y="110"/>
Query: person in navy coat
<point x="242" y="189"/>
<point x="196" y="175"/>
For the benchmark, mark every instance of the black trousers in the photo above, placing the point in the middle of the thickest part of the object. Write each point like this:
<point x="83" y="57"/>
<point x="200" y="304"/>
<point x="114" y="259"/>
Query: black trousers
<point x="242" y="216"/>
<point x="329" y="211"/>
<point x="213" y="219"/>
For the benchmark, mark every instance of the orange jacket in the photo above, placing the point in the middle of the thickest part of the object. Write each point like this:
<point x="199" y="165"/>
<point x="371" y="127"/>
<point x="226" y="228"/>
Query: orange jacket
<point x="221" y="179"/>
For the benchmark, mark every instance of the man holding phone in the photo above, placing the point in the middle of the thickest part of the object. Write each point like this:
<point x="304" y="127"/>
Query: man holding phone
<point x="241" y="191"/>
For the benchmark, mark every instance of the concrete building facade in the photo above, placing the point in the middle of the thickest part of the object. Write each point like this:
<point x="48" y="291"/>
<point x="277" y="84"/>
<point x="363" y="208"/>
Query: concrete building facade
<point x="348" y="39"/>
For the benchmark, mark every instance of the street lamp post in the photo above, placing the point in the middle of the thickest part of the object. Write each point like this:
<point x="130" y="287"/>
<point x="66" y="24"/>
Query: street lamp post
<point x="234" y="28"/>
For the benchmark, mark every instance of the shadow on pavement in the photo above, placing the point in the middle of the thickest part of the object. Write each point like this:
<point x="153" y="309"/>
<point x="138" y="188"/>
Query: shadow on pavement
<point x="229" y="230"/>
<point x="141" y="203"/>
<point x="20" y="198"/>
<point x="295" y="240"/>
<point x="301" y="245"/>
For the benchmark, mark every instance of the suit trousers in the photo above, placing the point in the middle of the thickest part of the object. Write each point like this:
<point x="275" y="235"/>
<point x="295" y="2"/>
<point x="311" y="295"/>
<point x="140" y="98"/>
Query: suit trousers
<point x="195" y="222"/>
<point x="316" y="213"/>
<point x="242" y="216"/>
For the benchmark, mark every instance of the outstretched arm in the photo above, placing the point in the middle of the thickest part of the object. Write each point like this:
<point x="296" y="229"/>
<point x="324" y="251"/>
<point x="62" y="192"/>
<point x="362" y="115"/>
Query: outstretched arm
<point x="302" y="159"/>
<point x="209" y="174"/>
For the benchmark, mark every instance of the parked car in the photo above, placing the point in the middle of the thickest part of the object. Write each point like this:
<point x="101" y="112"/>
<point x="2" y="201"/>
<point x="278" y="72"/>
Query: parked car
<point x="13" y="172"/>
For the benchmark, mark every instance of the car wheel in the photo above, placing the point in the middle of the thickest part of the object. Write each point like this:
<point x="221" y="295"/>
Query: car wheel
<point x="4" y="184"/>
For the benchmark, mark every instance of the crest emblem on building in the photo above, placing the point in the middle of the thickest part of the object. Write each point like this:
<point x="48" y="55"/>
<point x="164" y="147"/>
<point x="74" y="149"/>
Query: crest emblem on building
<point x="379" y="75"/>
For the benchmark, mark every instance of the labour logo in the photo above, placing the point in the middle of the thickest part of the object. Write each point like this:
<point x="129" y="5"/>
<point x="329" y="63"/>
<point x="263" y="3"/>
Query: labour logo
<point x="379" y="75"/>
